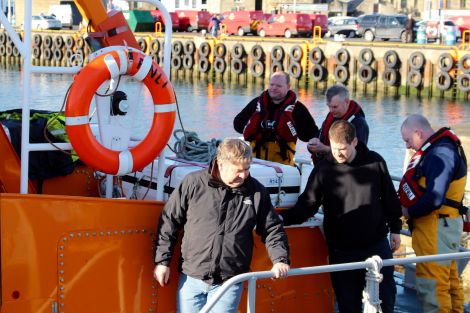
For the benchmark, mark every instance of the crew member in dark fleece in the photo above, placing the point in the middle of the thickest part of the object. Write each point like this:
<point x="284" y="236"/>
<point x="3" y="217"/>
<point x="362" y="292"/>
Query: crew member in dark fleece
<point x="341" y="108"/>
<point x="360" y="208"/>
<point x="274" y="121"/>
<point x="218" y="209"/>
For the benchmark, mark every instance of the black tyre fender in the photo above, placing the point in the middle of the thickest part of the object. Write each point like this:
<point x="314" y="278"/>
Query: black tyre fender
<point x="277" y="53"/>
<point x="69" y="42"/>
<point x="341" y="74"/>
<point x="257" y="52"/>
<point x="366" y="73"/>
<point x="16" y="52"/>
<point x="58" y="42"/>
<point x="220" y="50"/>
<point x="219" y="65"/>
<point x="36" y="52"/>
<point x="296" y="53"/>
<point x="47" y="54"/>
<point x="80" y="43"/>
<point x="237" y="66"/>
<point x="154" y="46"/>
<point x="415" y="78"/>
<point x="295" y="70"/>
<point x="443" y="81"/>
<point x="416" y="60"/>
<point x="37" y="39"/>
<point x="318" y="73"/>
<point x="58" y="54"/>
<point x="3" y="39"/>
<point x="238" y="51"/>
<point x="204" y="49"/>
<point x="464" y="64"/>
<point x="176" y="62"/>
<point x="342" y="56"/>
<point x="316" y="55"/>
<point x="257" y="68"/>
<point x="9" y="50"/>
<point x="189" y="47"/>
<point x="391" y="59"/>
<point x="390" y="77"/>
<point x="445" y="62"/>
<point x="463" y="82"/>
<point x="188" y="61"/>
<point x="204" y="65"/>
<point x="276" y="67"/>
<point x="47" y="41"/>
<point x="366" y="56"/>
<point x="3" y="50"/>
<point x="177" y="48"/>
<point x="142" y="44"/>
<point x="68" y="54"/>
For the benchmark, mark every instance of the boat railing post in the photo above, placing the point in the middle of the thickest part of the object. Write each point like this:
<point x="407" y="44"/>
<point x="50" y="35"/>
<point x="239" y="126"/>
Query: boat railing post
<point x="251" y="301"/>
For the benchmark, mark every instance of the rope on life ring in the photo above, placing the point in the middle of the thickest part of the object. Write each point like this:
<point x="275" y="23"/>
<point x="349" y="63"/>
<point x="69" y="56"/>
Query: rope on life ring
<point x="204" y="49"/>
<point x="366" y="56"/>
<point x="443" y="81"/>
<point x="341" y="74"/>
<point x="464" y="64"/>
<point x="69" y="42"/>
<point x="445" y="62"/>
<point x="203" y="65"/>
<point x="296" y="53"/>
<point x="238" y="51"/>
<point x="318" y="72"/>
<point x="257" y="52"/>
<point x="316" y="55"/>
<point x="105" y="67"/>
<point x="390" y="76"/>
<point x="365" y="73"/>
<point x="220" y="50"/>
<point x="189" y="47"/>
<point x="342" y="56"/>
<point x="415" y="78"/>
<point x="188" y="61"/>
<point x="219" y="65"/>
<point x="277" y="53"/>
<point x="416" y="60"/>
<point x="257" y="68"/>
<point x="237" y="66"/>
<point x="295" y="70"/>
<point x="463" y="82"/>
<point x="276" y="67"/>
<point x="391" y="59"/>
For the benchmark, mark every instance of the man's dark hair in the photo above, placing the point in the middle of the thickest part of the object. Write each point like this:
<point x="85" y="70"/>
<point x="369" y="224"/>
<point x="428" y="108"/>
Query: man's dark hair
<point x="336" y="90"/>
<point x="342" y="131"/>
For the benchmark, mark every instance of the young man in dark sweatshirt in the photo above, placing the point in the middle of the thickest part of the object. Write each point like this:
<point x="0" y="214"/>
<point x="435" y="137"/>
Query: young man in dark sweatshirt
<point x="360" y="208"/>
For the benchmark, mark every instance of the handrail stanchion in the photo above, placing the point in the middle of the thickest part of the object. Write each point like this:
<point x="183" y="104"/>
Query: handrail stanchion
<point x="251" y="301"/>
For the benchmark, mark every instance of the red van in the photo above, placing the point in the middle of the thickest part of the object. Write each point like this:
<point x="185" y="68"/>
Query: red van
<point x="158" y="17"/>
<point x="287" y="25"/>
<point x="241" y="22"/>
<point x="462" y="22"/>
<point x="320" y="20"/>
<point x="190" y="20"/>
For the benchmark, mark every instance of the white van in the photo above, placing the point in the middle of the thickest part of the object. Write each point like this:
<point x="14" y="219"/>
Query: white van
<point x="63" y="12"/>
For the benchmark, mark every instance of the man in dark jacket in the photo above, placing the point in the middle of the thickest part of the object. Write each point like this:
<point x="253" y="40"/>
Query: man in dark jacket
<point x="360" y="208"/>
<point x="218" y="209"/>
<point x="341" y="108"/>
<point x="274" y="121"/>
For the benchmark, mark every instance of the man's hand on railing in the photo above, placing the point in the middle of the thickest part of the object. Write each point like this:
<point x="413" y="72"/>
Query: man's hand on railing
<point x="161" y="274"/>
<point x="280" y="270"/>
<point x="395" y="242"/>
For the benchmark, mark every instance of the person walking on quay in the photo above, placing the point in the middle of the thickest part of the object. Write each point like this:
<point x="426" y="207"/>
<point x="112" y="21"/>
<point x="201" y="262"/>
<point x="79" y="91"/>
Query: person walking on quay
<point x="431" y="193"/>
<point x="360" y="208"/>
<point x="218" y="208"/>
<point x="215" y="19"/>
<point x="275" y="120"/>
<point x="341" y="108"/>
<point x="409" y="28"/>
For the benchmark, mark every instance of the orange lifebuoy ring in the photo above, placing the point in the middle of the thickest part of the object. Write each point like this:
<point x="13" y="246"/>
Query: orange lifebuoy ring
<point x="111" y="65"/>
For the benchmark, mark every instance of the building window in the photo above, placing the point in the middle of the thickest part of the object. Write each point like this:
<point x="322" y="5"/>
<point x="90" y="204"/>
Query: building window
<point x="186" y="3"/>
<point x="194" y="4"/>
<point x="204" y="2"/>
<point x="177" y="4"/>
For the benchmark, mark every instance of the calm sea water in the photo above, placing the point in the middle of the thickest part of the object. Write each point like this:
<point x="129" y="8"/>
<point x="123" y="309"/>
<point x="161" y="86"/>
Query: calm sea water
<point x="209" y="109"/>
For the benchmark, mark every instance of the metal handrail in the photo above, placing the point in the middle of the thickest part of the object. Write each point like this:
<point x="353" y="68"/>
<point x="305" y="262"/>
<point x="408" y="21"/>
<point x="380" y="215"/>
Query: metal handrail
<point x="253" y="276"/>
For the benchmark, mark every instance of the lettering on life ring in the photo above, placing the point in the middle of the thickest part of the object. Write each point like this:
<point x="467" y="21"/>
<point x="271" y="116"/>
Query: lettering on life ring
<point x="111" y="65"/>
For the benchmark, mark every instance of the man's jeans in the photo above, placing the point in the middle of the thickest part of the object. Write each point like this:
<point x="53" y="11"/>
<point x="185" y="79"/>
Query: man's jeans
<point x="194" y="293"/>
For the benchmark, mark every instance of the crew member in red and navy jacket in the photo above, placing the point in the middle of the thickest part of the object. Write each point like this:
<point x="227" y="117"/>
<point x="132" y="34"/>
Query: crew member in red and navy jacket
<point x="341" y="108"/>
<point x="274" y="121"/>
<point x="431" y="194"/>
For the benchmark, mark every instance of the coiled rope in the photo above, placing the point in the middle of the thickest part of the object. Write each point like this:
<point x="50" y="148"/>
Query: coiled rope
<point x="188" y="146"/>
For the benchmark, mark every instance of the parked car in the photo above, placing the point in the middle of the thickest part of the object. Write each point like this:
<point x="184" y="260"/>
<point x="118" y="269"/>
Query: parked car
<point x="287" y="25"/>
<point x="320" y="20"/>
<point x="382" y="26"/>
<point x="433" y="29"/>
<point x="343" y="25"/>
<point x="462" y="23"/>
<point x="190" y="20"/>
<point x="45" y="22"/>
<point x="241" y="22"/>
<point x="158" y="17"/>
<point x="62" y="12"/>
